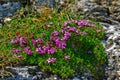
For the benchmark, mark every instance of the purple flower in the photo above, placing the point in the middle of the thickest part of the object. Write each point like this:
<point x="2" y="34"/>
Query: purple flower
<point x="51" y="60"/>
<point x="89" y="52"/>
<point x="83" y="33"/>
<point x="40" y="50"/>
<point x="61" y="31"/>
<point x="72" y="20"/>
<point x="36" y="41"/>
<point x="80" y="26"/>
<point x="14" y="41"/>
<point x="61" y="45"/>
<point x="65" y="28"/>
<point x="51" y="51"/>
<point x="45" y="49"/>
<point x="76" y="21"/>
<point x="28" y="51"/>
<point x="67" y="34"/>
<point x="72" y="29"/>
<point x="65" y="24"/>
<point x="77" y="31"/>
<point x="55" y="39"/>
<point x="15" y="50"/>
<point x="66" y="57"/>
<point x="55" y="33"/>
<point x="23" y="41"/>
<point x="82" y="23"/>
<point x="64" y="38"/>
<point x="39" y="40"/>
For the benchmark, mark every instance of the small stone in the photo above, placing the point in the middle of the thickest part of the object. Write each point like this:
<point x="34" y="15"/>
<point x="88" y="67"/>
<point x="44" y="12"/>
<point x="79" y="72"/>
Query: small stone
<point x="34" y="78"/>
<point x="6" y="20"/>
<point x="76" y="78"/>
<point x="117" y="54"/>
<point x="118" y="73"/>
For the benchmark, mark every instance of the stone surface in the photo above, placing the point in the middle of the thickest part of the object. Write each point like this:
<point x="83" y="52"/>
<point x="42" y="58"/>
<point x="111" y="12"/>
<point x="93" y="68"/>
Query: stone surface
<point x="112" y="50"/>
<point x="7" y="9"/>
<point x="101" y="10"/>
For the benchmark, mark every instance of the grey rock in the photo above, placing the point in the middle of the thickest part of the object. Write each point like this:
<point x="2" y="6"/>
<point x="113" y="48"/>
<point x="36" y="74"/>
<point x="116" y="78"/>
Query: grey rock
<point x="76" y="78"/>
<point x="9" y="8"/>
<point x="35" y="78"/>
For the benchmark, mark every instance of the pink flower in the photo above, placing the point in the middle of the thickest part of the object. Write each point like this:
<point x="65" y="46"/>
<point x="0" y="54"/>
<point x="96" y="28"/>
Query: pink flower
<point x="82" y="23"/>
<point x="51" y="60"/>
<point x="83" y="33"/>
<point x="66" y="57"/>
<point x="98" y="31"/>
<point x="14" y="41"/>
<point x="20" y="56"/>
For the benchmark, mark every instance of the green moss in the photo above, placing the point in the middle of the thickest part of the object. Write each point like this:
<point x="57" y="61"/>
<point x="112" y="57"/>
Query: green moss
<point x="77" y="46"/>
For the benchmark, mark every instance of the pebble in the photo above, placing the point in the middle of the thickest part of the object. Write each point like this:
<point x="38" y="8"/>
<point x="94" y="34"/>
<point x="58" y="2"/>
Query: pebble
<point x="118" y="73"/>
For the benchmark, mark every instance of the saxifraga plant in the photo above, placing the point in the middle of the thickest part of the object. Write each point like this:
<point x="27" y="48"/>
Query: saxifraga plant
<point x="59" y="46"/>
<point x="74" y="46"/>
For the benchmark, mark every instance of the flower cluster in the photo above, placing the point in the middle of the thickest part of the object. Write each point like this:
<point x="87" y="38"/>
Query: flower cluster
<point x="80" y="23"/>
<point x="14" y="50"/>
<point x="28" y="51"/>
<point x="14" y="41"/>
<point x="39" y="41"/>
<point x="55" y="40"/>
<point x="22" y="40"/>
<point x="45" y="49"/>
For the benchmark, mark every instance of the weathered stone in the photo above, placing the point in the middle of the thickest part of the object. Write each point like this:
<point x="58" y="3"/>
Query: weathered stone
<point x="118" y="73"/>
